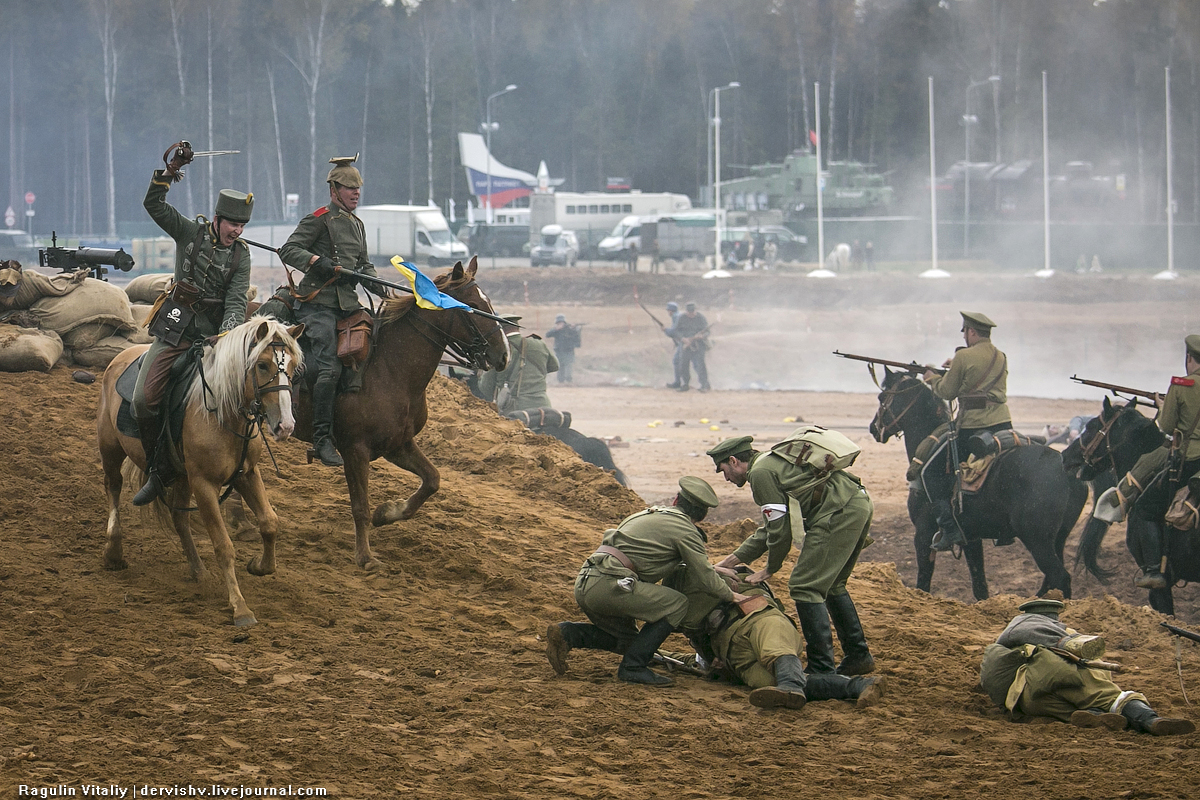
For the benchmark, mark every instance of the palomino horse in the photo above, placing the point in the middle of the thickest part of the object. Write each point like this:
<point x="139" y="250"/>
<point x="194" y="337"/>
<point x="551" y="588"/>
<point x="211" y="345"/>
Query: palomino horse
<point x="1112" y="443"/>
<point x="244" y="383"/>
<point x="382" y="418"/>
<point x="1027" y="496"/>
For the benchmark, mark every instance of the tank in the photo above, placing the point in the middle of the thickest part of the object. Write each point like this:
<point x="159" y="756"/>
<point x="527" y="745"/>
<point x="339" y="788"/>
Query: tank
<point x="851" y="188"/>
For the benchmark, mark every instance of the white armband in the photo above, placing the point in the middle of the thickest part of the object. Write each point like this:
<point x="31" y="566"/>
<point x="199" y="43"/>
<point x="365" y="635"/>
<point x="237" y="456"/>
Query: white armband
<point x="774" y="511"/>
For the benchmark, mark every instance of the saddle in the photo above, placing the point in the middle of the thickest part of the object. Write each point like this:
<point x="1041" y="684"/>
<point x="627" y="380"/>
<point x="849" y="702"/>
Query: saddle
<point x="983" y="451"/>
<point x="173" y="406"/>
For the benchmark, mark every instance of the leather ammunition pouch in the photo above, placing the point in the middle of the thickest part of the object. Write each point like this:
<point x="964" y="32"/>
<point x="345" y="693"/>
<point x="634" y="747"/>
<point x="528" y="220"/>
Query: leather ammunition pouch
<point x="354" y="338"/>
<point x="1184" y="511"/>
<point x="173" y="312"/>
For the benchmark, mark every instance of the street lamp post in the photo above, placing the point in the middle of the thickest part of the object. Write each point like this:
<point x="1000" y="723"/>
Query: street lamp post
<point x="716" y="122"/>
<point x="969" y="119"/>
<point x="488" y="127"/>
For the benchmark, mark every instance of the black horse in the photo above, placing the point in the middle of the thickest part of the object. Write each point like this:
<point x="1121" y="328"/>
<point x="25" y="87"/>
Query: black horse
<point x="1112" y="443"/>
<point x="1027" y="495"/>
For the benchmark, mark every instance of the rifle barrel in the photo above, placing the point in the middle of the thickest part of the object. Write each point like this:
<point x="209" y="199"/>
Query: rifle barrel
<point x="1184" y="632"/>
<point x="1115" y="389"/>
<point x="911" y="366"/>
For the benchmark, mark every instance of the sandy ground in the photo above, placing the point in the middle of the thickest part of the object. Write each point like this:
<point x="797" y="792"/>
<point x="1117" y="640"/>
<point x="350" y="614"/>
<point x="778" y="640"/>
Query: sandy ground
<point x="429" y="679"/>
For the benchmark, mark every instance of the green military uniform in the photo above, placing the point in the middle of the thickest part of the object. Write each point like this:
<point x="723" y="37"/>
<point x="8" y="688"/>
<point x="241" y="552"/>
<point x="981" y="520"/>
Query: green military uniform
<point x="1020" y="674"/>
<point x="620" y="583"/>
<point x="531" y="360"/>
<point x="978" y="379"/>
<point x="219" y="278"/>
<point x="337" y="239"/>
<point x="829" y="521"/>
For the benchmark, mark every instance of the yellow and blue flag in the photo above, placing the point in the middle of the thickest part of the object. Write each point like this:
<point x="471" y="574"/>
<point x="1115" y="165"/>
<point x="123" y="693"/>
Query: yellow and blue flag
<point x="424" y="289"/>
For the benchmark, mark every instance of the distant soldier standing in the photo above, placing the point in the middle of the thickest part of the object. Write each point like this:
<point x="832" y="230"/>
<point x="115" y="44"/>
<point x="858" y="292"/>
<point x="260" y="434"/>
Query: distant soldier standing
<point x="330" y="247"/>
<point x="566" y="338"/>
<point x="207" y="297"/>
<point x="977" y="377"/>
<point x="673" y="310"/>
<point x="691" y="332"/>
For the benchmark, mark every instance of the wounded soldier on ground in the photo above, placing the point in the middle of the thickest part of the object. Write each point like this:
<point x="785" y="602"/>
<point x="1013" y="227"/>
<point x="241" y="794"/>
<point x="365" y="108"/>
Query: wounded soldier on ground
<point x="761" y="649"/>
<point x="1041" y="668"/>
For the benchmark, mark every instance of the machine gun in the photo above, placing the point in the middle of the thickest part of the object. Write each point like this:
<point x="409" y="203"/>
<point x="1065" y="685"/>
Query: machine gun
<point x="1184" y="632"/>
<point x="1118" y="390"/>
<point x="912" y="366"/>
<point x="93" y="259"/>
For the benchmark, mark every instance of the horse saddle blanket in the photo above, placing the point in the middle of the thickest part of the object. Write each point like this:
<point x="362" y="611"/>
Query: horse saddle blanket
<point x="536" y="418"/>
<point x="175" y="403"/>
<point x="984" y="450"/>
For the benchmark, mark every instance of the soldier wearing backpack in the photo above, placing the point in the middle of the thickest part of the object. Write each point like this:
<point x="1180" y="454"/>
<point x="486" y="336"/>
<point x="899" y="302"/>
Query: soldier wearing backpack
<point x="808" y="499"/>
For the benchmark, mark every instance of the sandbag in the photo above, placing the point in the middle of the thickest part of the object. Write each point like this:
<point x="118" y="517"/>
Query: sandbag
<point x="141" y="313"/>
<point x="102" y="352"/>
<point x="28" y="349"/>
<point x="93" y="301"/>
<point x="34" y="286"/>
<point x="146" y="288"/>
<point x="88" y="335"/>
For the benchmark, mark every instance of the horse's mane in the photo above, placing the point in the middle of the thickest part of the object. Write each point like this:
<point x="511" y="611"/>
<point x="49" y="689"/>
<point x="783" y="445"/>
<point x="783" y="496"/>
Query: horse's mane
<point x="224" y="367"/>
<point x="396" y="307"/>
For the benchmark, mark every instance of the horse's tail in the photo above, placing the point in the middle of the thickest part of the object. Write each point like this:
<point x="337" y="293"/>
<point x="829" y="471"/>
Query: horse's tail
<point x="620" y="476"/>
<point x="1092" y="539"/>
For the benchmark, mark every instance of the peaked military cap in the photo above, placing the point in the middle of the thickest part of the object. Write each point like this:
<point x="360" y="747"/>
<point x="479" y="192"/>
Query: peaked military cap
<point x="343" y="173"/>
<point x="729" y="447"/>
<point x="691" y="306"/>
<point x="977" y="321"/>
<point x="672" y="306"/>
<point x="1192" y="343"/>
<point x="512" y="319"/>
<point x="234" y="206"/>
<point x="698" y="492"/>
<point x="1047" y="608"/>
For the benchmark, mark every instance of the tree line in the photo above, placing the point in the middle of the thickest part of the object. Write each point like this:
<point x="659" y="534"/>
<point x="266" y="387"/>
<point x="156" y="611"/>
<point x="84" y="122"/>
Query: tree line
<point x="98" y="88"/>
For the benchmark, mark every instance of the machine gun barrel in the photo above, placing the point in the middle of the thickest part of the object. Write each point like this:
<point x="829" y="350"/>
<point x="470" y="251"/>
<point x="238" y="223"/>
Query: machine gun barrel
<point x="93" y="259"/>
<point x="1117" y="390"/>
<point x="1184" y="632"/>
<point x="911" y="366"/>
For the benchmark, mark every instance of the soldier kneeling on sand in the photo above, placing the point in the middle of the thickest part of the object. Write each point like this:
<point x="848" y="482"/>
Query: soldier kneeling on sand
<point x="1042" y="668"/>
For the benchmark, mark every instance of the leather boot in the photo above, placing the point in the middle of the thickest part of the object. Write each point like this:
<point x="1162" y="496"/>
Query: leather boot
<point x="788" y="691"/>
<point x="635" y="666"/>
<point x="563" y="637"/>
<point x="1142" y="718"/>
<point x="323" y="397"/>
<point x="149" y="429"/>
<point x="858" y="659"/>
<point x="818" y="637"/>
<point x="1150" y="537"/>
<point x="949" y="534"/>
<point x="1098" y="718"/>
<point x="868" y="691"/>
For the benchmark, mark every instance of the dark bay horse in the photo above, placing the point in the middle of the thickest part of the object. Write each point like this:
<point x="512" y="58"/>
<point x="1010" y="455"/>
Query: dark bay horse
<point x="1027" y="496"/>
<point x="1112" y="443"/>
<point x="243" y="385"/>
<point x="382" y="419"/>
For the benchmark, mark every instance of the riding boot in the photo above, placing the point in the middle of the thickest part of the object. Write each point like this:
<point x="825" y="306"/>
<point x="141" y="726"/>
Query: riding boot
<point x="1098" y="718"/>
<point x="150" y="429"/>
<point x="818" y="637"/>
<point x="563" y="637"/>
<point x="1150" y="536"/>
<point x="949" y="534"/>
<point x="858" y="659"/>
<point x="868" y="691"/>
<point x="788" y="691"/>
<point x="1142" y="718"/>
<point x="323" y="396"/>
<point x="635" y="666"/>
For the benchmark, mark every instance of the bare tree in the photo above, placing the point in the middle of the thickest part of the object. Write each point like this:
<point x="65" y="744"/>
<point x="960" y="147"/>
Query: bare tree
<point x="309" y="44"/>
<point x="427" y="30"/>
<point x="176" y="8"/>
<point x="104" y="14"/>
<point x="278" y="140"/>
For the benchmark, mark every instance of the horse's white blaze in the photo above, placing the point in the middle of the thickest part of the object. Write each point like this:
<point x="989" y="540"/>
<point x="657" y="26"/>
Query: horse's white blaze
<point x="287" y="422"/>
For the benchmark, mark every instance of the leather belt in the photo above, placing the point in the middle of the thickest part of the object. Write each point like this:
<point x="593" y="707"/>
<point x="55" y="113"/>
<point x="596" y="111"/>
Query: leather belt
<point x="606" y="550"/>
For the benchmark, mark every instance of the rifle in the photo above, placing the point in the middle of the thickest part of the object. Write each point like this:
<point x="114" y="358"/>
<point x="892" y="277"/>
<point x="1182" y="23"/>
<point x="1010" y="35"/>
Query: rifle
<point x="1090" y="663"/>
<point x="656" y="319"/>
<point x="687" y="342"/>
<point x="381" y="282"/>
<point x="1184" y="632"/>
<point x="672" y="664"/>
<point x="912" y="366"/>
<point x="1118" y="390"/>
<point x="93" y="259"/>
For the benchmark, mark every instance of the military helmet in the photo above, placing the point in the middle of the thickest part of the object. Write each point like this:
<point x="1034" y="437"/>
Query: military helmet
<point x="343" y="174"/>
<point x="234" y="206"/>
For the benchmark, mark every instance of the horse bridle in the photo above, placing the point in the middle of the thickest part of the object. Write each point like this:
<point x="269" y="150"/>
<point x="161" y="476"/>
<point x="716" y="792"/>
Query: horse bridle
<point x="471" y="353"/>
<point x="1089" y="450"/>
<point x="885" y="405"/>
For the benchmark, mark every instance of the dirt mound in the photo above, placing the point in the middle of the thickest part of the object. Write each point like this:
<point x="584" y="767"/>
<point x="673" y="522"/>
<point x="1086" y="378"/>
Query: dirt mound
<point x="429" y="680"/>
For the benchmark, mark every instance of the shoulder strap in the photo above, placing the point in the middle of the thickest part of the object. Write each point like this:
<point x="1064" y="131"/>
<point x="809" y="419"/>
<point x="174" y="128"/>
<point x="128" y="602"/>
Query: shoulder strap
<point x="979" y="387"/>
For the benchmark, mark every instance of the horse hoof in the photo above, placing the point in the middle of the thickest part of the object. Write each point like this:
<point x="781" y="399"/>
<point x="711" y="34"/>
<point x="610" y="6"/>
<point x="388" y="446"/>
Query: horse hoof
<point x="372" y="565"/>
<point x="387" y="513"/>
<point x="254" y="567"/>
<point x="116" y="566"/>
<point x="246" y="621"/>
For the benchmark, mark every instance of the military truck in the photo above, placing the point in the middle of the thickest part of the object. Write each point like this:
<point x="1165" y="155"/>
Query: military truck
<point x="851" y="188"/>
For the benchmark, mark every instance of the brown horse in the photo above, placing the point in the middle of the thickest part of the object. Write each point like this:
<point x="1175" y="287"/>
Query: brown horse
<point x="382" y="418"/>
<point x="243" y="384"/>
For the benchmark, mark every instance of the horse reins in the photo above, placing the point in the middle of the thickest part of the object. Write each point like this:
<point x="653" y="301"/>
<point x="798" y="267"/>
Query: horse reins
<point x="471" y="353"/>
<point x="1089" y="449"/>
<point x="886" y="405"/>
